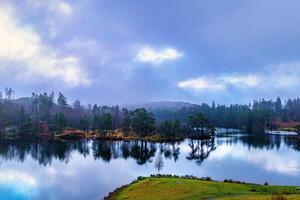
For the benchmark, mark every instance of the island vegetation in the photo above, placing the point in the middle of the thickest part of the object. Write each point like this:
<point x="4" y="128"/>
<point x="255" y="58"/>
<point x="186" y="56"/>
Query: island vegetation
<point x="188" y="187"/>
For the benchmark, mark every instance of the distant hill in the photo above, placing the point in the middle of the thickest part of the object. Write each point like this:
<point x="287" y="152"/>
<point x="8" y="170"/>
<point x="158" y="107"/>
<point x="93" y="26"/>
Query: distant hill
<point x="23" y="101"/>
<point x="26" y="102"/>
<point x="162" y="105"/>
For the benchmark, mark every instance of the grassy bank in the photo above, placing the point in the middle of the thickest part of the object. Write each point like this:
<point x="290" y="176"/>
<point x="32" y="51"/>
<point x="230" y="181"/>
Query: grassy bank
<point x="185" y="188"/>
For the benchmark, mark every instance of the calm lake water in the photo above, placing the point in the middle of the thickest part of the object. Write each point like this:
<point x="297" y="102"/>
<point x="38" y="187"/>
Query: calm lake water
<point x="39" y="169"/>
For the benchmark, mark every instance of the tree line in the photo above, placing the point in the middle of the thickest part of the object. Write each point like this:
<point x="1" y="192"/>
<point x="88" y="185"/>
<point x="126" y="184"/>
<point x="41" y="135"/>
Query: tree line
<point x="255" y="117"/>
<point x="45" y="113"/>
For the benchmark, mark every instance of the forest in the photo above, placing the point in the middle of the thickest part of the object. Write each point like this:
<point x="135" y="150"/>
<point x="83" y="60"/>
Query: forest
<point x="43" y="113"/>
<point x="255" y="117"/>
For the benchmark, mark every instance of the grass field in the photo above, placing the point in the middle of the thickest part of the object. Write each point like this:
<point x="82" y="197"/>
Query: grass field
<point x="182" y="188"/>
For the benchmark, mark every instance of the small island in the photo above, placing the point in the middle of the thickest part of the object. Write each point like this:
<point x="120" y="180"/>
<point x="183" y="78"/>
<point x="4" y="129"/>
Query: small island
<point x="169" y="187"/>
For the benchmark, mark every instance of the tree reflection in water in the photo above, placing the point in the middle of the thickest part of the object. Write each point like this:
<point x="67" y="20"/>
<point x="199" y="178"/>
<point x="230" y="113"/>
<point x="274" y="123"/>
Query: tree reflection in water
<point x="45" y="151"/>
<point x="293" y="142"/>
<point x="141" y="151"/>
<point x="200" y="149"/>
<point x="264" y="141"/>
<point x="170" y="150"/>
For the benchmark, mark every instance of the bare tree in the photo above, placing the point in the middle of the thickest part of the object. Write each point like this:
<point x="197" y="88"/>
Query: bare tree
<point x="8" y="93"/>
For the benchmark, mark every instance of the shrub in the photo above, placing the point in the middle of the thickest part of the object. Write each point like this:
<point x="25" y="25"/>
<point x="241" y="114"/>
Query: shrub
<point x="278" y="197"/>
<point x="266" y="183"/>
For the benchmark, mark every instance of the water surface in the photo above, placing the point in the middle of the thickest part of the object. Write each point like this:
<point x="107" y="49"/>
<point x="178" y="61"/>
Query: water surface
<point x="43" y="169"/>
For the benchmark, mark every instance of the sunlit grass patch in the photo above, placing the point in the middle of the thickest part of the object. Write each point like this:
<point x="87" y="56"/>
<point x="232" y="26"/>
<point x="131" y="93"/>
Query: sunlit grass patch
<point x="185" y="188"/>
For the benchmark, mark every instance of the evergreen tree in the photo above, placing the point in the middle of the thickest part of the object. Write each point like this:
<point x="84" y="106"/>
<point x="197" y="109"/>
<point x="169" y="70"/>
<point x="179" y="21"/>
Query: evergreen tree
<point x="103" y="122"/>
<point x="278" y="105"/>
<point x="126" y="123"/>
<point x="62" y="100"/>
<point x="198" y="122"/>
<point x="84" y="123"/>
<point x="143" y="122"/>
<point x="60" y="122"/>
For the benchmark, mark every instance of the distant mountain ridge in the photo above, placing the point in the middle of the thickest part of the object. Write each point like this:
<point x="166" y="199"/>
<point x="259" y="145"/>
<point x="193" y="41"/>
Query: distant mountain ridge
<point x="162" y="105"/>
<point x="156" y="105"/>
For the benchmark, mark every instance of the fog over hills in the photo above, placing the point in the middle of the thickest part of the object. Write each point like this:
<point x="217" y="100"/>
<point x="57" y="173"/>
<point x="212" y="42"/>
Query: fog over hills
<point x="156" y="105"/>
<point x="161" y="105"/>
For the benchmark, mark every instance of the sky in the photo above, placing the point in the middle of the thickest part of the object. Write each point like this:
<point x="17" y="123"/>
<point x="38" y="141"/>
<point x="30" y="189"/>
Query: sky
<point x="132" y="51"/>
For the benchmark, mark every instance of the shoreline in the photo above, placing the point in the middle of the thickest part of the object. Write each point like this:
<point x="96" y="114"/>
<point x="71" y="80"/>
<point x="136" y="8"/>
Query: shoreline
<point x="110" y="137"/>
<point x="76" y="134"/>
<point x="119" y="135"/>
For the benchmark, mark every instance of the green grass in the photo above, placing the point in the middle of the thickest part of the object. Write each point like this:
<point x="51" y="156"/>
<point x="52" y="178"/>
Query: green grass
<point x="182" y="188"/>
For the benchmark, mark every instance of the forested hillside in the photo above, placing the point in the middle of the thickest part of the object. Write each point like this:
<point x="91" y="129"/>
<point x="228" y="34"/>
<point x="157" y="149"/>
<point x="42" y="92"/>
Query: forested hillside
<point x="253" y="117"/>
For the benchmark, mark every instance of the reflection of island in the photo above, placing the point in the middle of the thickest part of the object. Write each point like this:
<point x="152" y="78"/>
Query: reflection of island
<point x="170" y="150"/>
<point x="201" y="149"/>
<point x="141" y="151"/>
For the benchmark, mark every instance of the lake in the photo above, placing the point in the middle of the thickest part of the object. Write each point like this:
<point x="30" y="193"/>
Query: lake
<point x="47" y="169"/>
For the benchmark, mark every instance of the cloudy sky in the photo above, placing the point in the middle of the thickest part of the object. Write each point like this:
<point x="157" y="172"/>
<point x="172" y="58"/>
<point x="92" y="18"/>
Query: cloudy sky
<point x="129" y="51"/>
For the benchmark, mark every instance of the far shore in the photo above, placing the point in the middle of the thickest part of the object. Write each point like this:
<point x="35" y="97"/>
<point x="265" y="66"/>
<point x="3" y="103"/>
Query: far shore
<point x="74" y="134"/>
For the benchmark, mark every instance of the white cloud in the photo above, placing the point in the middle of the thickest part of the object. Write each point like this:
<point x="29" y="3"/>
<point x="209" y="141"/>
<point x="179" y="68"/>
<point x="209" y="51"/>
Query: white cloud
<point x="151" y="55"/>
<point x="202" y="83"/>
<point x="272" y="78"/>
<point x="23" y="46"/>
<point x="18" y="177"/>
<point x="241" y="81"/>
<point x="63" y="7"/>
<point x="220" y="82"/>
